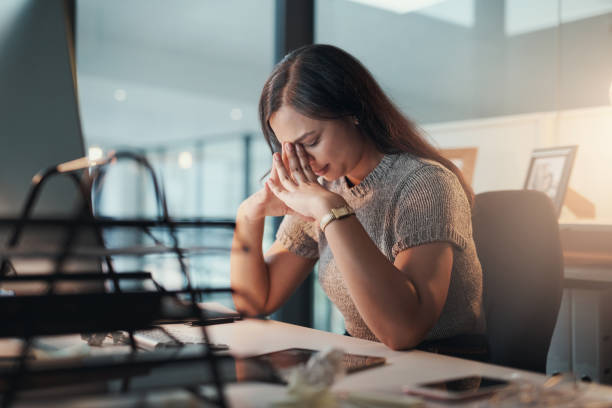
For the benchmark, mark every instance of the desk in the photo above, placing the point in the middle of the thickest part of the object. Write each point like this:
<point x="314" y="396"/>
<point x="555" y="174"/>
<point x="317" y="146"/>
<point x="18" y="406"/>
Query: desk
<point x="250" y="337"/>
<point x="253" y="337"/>
<point x="587" y="248"/>
<point x="582" y="341"/>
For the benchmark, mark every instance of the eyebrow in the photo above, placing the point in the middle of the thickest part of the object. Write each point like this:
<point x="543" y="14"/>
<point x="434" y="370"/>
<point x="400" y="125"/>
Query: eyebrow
<point x="304" y="136"/>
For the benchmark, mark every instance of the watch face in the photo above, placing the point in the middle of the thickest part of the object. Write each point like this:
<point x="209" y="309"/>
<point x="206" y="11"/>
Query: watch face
<point x="342" y="211"/>
<point x="336" y="214"/>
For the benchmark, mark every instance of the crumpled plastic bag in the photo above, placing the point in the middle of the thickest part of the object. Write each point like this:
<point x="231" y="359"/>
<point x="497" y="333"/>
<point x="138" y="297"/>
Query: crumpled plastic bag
<point x="94" y="339"/>
<point x="97" y="339"/>
<point x="309" y="385"/>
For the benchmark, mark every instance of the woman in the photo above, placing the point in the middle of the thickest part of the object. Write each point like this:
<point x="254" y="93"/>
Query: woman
<point x="387" y="217"/>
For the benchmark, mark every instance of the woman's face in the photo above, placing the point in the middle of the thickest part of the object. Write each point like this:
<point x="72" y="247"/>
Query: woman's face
<point x="335" y="147"/>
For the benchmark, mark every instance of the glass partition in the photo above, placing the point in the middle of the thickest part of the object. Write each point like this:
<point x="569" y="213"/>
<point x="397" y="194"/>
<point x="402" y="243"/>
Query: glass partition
<point x="179" y="83"/>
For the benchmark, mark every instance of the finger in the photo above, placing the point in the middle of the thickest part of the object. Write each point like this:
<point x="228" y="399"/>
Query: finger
<point x="276" y="189"/>
<point x="285" y="158"/>
<point x="295" y="166"/>
<point x="307" y="170"/>
<point x="274" y="176"/>
<point x="273" y="173"/>
<point x="267" y="186"/>
<point x="274" y="182"/>
<point x="286" y="181"/>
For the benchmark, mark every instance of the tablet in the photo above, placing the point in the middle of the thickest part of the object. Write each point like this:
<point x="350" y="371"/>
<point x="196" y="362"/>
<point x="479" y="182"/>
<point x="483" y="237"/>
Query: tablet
<point x="284" y="359"/>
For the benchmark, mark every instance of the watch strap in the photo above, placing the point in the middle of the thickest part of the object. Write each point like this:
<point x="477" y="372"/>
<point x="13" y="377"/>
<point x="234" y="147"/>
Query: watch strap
<point x="336" y="214"/>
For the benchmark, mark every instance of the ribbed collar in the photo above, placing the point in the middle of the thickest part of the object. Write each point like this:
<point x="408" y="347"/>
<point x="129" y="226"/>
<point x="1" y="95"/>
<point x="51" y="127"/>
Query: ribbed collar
<point x="375" y="176"/>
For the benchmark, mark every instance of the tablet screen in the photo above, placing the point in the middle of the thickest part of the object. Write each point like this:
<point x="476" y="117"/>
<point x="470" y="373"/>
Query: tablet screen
<point x="288" y="358"/>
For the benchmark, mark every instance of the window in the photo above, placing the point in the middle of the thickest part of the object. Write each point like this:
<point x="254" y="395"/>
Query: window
<point x="177" y="82"/>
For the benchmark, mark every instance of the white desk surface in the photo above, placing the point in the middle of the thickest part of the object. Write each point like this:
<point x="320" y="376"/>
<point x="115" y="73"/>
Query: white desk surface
<point x="249" y="337"/>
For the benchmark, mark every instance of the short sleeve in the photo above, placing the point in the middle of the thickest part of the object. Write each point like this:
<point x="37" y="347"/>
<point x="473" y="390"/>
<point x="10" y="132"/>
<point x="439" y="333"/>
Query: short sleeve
<point x="299" y="236"/>
<point x="431" y="207"/>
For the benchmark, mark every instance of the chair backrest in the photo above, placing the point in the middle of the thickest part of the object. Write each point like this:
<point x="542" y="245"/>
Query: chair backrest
<point x="517" y="239"/>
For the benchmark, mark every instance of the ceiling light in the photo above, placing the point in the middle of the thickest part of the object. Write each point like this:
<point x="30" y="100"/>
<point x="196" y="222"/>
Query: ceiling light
<point x="185" y="160"/>
<point x="399" y="6"/>
<point x="95" y="153"/>
<point x="120" y="95"/>
<point x="236" y="114"/>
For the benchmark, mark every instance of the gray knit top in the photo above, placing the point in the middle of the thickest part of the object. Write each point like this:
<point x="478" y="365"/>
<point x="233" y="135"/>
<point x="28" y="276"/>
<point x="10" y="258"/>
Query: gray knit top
<point x="404" y="202"/>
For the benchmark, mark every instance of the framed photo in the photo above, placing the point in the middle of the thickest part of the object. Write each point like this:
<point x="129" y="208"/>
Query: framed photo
<point x="549" y="172"/>
<point x="465" y="160"/>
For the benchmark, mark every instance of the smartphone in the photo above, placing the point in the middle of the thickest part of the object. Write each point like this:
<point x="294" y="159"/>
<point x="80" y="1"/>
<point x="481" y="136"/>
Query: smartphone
<point x="455" y="389"/>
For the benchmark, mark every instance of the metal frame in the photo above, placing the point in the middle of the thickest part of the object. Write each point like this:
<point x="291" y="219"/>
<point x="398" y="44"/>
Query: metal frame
<point x="32" y="313"/>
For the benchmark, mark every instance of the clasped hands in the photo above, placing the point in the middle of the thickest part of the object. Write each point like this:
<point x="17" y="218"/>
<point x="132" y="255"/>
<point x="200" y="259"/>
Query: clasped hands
<point x="294" y="183"/>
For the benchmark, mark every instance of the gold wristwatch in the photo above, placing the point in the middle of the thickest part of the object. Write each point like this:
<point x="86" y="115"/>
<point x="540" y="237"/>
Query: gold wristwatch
<point x="336" y="214"/>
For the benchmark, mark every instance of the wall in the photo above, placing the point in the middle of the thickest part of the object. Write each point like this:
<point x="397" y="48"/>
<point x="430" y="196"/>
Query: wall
<point x="505" y="144"/>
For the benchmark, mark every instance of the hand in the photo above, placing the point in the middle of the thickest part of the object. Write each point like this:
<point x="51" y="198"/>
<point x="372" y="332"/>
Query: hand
<point x="295" y="184"/>
<point x="264" y="203"/>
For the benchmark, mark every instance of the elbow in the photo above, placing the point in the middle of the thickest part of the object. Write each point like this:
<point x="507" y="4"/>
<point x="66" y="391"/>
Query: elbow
<point x="396" y="346"/>
<point x="399" y="344"/>
<point x="250" y="306"/>
<point x="241" y="306"/>
<point x="248" y="310"/>
<point x="399" y="340"/>
<point x="406" y="333"/>
<point x="247" y="305"/>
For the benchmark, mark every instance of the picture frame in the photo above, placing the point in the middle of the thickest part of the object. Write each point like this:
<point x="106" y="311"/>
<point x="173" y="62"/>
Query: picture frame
<point x="549" y="171"/>
<point x="465" y="160"/>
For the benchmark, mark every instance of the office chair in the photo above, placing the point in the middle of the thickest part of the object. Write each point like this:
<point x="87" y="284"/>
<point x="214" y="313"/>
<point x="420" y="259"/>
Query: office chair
<point x="517" y="241"/>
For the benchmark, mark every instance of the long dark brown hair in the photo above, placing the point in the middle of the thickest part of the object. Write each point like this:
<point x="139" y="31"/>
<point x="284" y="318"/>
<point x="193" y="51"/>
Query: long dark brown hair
<point x="324" y="82"/>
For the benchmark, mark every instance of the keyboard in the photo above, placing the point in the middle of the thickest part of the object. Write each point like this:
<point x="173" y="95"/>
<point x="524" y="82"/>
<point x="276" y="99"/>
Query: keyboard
<point x="156" y="339"/>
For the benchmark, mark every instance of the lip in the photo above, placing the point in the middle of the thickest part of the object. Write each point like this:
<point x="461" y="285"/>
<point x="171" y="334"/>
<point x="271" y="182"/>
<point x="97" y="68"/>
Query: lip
<point x="322" y="170"/>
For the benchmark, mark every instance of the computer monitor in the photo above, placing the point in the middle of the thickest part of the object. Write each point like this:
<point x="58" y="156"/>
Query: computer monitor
<point x="39" y="114"/>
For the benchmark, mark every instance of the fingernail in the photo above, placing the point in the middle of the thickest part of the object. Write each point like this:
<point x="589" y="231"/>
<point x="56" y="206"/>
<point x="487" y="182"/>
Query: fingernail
<point x="289" y="147"/>
<point x="276" y="157"/>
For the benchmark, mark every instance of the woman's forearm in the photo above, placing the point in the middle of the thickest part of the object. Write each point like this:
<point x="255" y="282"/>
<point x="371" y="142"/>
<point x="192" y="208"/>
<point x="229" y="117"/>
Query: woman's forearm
<point x="388" y="300"/>
<point x="248" y="271"/>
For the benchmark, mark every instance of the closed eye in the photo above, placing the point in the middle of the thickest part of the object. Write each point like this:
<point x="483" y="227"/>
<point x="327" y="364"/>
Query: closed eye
<point x="313" y="143"/>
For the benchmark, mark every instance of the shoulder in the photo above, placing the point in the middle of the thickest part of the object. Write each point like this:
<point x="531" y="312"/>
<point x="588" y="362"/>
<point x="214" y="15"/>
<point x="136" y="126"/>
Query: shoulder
<point x="427" y="187"/>
<point x="422" y="175"/>
<point x="430" y="205"/>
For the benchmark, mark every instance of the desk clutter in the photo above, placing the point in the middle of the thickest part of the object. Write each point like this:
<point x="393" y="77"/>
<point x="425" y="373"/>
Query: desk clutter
<point x="75" y="325"/>
<point x="59" y="278"/>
